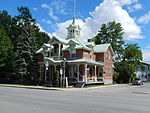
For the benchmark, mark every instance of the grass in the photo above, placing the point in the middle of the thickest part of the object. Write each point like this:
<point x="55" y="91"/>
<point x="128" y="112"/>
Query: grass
<point x="88" y="86"/>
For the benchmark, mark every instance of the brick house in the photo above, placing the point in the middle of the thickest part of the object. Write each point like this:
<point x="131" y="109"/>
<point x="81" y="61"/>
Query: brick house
<point x="86" y="61"/>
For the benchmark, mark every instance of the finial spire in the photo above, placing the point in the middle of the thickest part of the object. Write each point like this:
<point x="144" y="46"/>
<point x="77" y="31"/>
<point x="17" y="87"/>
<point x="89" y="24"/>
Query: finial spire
<point x="73" y="22"/>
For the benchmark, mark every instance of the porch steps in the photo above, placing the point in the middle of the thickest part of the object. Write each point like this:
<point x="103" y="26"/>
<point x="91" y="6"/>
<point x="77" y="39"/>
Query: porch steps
<point x="80" y="84"/>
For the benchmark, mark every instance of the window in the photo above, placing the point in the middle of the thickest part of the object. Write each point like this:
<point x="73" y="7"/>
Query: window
<point x="73" y="53"/>
<point x="107" y="71"/>
<point x="107" y="56"/>
<point x="46" y="54"/>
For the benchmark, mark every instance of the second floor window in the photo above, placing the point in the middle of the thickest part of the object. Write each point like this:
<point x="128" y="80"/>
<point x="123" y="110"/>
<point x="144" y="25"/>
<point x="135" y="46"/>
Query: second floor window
<point x="107" y="56"/>
<point x="73" y="53"/>
<point x="46" y="54"/>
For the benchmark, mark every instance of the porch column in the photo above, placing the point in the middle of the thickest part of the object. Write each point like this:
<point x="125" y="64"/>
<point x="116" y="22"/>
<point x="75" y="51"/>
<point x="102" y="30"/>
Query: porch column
<point x="59" y="50"/>
<point x="55" y="67"/>
<point x="78" y="72"/>
<point x="95" y="73"/>
<point x="85" y="73"/>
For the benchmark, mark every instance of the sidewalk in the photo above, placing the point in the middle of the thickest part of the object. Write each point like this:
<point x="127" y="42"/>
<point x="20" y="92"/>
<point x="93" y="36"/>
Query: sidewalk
<point x="58" y="89"/>
<point x="30" y="87"/>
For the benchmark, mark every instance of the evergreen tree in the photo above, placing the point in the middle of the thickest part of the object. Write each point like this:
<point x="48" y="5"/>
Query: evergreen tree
<point x="41" y="37"/>
<point x="5" y="21"/>
<point x="25" y="45"/>
<point x="23" y="37"/>
<point x="25" y="53"/>
<point x="5" y="52"/>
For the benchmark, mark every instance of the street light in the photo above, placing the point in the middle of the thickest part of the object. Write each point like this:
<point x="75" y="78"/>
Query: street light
<point x="46" y="68"/>
<point x="62" y="72"/>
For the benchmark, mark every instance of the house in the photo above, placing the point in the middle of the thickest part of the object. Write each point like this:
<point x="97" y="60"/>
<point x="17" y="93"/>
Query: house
<point x="85" y="62"/>
<point x="143" y="71"/>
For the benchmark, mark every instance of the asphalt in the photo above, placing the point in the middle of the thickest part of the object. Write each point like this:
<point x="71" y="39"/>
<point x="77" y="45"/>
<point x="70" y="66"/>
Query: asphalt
<point x="60" y="89"/>
<point x="103" y="99"/>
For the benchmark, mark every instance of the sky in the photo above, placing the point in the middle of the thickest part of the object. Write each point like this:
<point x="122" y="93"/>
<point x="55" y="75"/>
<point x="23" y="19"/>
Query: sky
<point x="53" y="16"/>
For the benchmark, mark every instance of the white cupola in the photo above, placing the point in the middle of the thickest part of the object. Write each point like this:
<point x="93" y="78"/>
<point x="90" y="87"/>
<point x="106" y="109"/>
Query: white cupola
<point x="73" y="30"/>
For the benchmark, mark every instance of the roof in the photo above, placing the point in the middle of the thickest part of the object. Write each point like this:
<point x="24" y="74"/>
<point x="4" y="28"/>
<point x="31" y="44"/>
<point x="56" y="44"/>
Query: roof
<point x="102" y="48"/>
<point x="79" y="44"/>
<point x="41" y="50"/>
<point x="59" y="39"/>
<point x="89" y="61"/>
<point x="48" y="46"/>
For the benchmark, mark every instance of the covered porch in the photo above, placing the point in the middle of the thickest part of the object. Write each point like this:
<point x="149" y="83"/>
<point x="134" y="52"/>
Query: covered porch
<point x="76" y="70"/>
<point x="84" y="72"/>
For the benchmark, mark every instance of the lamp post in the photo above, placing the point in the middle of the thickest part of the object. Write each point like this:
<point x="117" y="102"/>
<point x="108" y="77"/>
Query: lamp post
<point x="63" y="72"/>
<point x="46" y="68"/>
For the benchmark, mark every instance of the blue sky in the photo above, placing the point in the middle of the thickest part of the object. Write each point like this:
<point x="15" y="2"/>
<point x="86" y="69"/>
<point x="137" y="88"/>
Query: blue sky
<point x="53" y="16"/>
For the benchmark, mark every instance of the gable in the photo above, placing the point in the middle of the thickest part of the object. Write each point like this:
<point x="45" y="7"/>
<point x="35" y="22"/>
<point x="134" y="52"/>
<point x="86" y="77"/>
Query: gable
<point x="56" y="40"/>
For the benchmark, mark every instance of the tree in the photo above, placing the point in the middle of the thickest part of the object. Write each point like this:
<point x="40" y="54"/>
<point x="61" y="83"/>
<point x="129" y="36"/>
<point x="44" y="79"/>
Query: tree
<point x="5" y="52"/>
<point x="127" y="56"/>
<point x="41" y="37"/>
<point x="5" y="21"/>
<point x="25" y="53"/>
<point x="132" y="53"/>
<point x="25" y="45"/>
<point x="112" y="33"/>
<point x="126" y="72"/>
<point x="132" y="56"/>
<point x="25" y="37"/>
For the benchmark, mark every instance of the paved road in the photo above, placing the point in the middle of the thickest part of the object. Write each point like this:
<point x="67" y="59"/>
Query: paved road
<point x="118" y="99"/>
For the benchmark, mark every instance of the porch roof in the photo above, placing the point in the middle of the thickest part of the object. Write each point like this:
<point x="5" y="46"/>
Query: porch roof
<point x="88" y="61"/>
<point x="78" y="61"/>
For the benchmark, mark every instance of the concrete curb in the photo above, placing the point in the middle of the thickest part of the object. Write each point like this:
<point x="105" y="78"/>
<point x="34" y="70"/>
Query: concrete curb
<point x="114" y="85"/>
<point x="59" y="89"/>
<point x="31" y="87"/>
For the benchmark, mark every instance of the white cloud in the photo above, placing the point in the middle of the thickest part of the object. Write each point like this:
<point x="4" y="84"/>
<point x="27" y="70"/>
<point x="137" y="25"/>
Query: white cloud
<point x="59" y="6"/>
<point x="46" y="21"/>
<point x="50" y="12"/>
<point x="45" y="6"/>
<point x="144" y="19"/>
<point x="108" y="10"/>
<point x="135" y="7"/>
<point x="146" y="55"/>
<point x="127" y="2"/>
<point x="35" y="9"/>
<point x="148" y="47"/>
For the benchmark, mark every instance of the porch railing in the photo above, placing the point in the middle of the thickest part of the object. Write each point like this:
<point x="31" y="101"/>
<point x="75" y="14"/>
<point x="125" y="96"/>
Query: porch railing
<point x="57" y="57"/>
